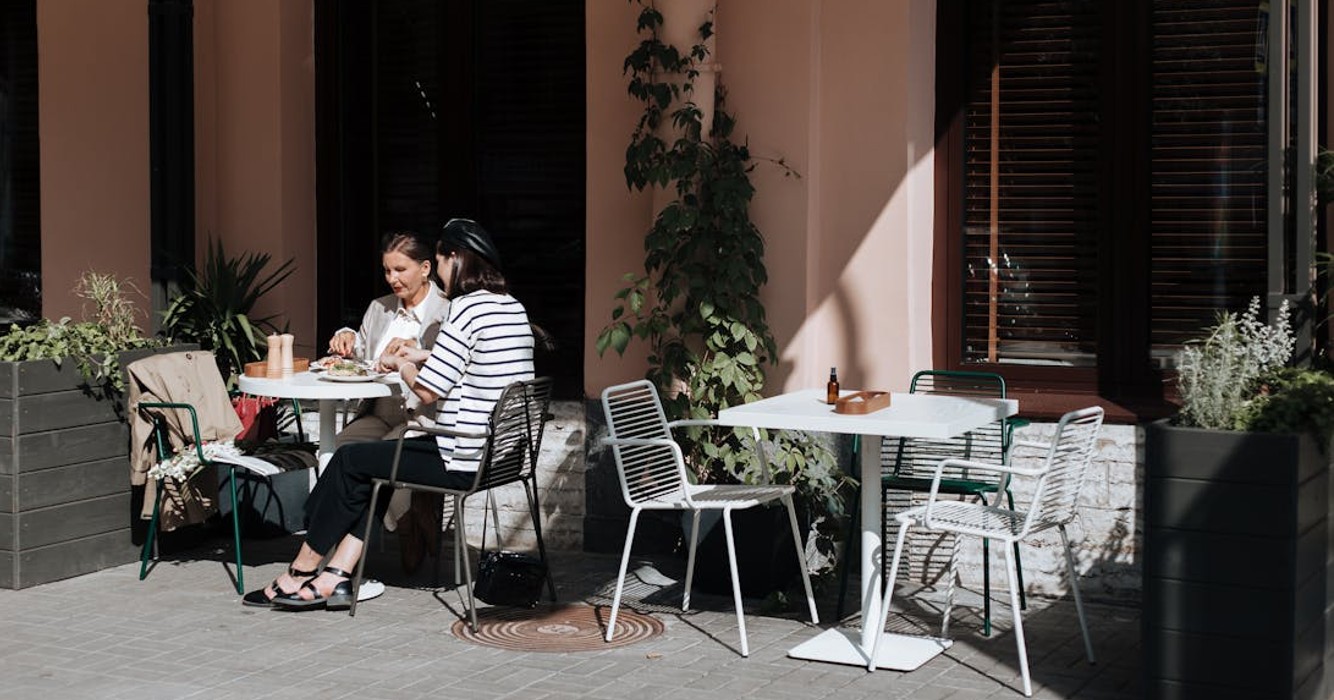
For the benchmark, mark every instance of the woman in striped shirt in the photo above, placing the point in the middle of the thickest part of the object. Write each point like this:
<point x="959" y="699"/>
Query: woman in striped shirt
<point x="485" y="344"/>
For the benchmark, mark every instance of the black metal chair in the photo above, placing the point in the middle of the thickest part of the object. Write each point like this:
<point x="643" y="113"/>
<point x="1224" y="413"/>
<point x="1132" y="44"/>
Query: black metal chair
<point x="509" y="456"/>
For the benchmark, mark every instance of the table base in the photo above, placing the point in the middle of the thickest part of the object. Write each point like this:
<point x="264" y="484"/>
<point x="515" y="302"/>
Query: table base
<point x="898" y="652"/>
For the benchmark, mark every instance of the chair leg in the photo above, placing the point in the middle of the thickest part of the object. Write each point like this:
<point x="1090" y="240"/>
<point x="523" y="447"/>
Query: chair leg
<point x="690" y="559"/>
<point x="736" y="581"/>
<point x="536" y="512"/>
<point x="951" y="583"/>
<point x="853" y="518"/>
<point x="150" y="538"/>
<point x="801" y="558"/>
<point x="849" y="542"/>
<point x="1018" y="561"/>
<point x="620" y="577"/>
<point x="462" y="538"/>
<point x="1074" y="588"/>
<point x="459" y="542"/>
<point x="361" y="561"/>
<point x="439" y="519"/>
<point x="986" y="587"/>
<point x="236" y="531"/>
<point x="1018" y="620"/>
<point x="889" y="595"/>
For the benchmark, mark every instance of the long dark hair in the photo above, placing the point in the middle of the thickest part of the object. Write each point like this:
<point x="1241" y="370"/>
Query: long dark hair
<point x="470" y="272"/>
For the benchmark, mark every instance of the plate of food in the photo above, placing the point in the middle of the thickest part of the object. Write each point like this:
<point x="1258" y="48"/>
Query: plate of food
<point x="348" y="371"/>
<point x="319" y="365"/>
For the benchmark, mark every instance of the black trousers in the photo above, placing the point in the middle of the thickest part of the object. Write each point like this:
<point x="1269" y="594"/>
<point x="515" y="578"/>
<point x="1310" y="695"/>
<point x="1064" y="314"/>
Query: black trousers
<point x="339" y="502"/>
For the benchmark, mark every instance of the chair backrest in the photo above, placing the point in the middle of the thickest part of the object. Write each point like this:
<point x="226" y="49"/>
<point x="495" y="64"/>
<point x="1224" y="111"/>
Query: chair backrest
<point x="918" y="457"/>
<point x="1057" y="493"/>
<point x="517" y="422"/>
<point x="647" y="472"/>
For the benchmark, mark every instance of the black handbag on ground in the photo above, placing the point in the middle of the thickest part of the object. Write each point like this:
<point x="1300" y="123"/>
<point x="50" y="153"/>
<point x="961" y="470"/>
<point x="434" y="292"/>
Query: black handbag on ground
<point x="508" y="578"/>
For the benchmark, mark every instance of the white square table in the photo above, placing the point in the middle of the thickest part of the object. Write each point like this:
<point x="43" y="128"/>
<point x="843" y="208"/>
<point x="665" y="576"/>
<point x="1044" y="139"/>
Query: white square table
<point x="909" y="415"/>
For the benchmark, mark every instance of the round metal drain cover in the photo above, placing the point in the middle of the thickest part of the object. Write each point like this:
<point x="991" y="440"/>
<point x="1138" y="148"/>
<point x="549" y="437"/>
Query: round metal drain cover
<point x="556" y="628"/>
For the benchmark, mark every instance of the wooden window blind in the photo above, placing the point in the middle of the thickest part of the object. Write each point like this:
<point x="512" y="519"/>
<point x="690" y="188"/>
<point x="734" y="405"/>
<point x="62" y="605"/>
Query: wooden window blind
<point x="1207" y="166"/>
<point x="1031" y="194"/>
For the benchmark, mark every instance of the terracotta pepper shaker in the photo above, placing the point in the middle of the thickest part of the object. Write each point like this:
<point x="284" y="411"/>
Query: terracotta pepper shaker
<point x="287" y="363"/>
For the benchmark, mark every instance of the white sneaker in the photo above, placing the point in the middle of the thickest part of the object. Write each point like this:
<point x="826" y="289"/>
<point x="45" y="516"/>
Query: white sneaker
<point x="370" y="588"/>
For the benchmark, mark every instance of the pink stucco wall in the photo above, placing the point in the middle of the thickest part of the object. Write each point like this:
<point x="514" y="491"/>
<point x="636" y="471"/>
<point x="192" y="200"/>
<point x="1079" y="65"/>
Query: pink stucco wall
<point x="92" y="62"/>
<point x="843" y="92"/>
<point x="255" y="144"/>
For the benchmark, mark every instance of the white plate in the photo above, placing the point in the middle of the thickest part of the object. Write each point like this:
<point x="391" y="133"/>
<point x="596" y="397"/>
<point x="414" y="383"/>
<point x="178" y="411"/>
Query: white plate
<point x="355" y="378"/>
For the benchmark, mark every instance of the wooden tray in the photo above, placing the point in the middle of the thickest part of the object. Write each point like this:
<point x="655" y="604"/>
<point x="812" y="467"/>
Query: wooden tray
<point x="259" y="369"/>
<point x="862" y="402"/>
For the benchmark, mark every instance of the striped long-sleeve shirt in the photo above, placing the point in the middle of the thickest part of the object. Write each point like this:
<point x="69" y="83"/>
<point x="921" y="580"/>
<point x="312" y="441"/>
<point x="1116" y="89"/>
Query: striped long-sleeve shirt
<point x="484" y="345"/>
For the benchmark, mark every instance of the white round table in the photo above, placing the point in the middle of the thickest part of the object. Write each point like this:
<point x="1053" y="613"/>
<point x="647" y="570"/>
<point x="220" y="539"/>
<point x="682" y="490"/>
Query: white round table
<point x="309" y="386"/>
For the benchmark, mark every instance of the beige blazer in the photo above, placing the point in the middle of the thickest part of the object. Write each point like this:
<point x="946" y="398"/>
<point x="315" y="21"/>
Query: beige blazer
<point x="180" y="377"/>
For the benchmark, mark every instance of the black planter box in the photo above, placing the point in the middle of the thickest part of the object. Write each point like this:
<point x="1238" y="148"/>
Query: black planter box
<point x="1236" y="564"/>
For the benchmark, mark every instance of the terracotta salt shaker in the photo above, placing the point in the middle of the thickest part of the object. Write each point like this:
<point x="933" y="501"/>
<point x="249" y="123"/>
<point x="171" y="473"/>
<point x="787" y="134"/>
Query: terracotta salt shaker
<point x="273" y="365"/>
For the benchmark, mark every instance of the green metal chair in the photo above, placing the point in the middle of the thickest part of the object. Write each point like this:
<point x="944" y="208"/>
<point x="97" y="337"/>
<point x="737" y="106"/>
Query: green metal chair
<point x="907" y="464"/>
<point x="163" y="452"/>
<point x="203" y="468"/>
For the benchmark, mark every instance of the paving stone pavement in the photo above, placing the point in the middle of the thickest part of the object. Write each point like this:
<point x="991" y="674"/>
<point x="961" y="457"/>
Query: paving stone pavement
<point x="182" y="633"/>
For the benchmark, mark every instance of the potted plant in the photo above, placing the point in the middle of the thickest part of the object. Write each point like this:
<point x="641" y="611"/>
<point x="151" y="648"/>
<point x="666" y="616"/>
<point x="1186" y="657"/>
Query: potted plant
<point x="697" y="302"/>
<point x="64" y="449"/>
<point x="215" y="308"/>
<point x="1236" y="519"/>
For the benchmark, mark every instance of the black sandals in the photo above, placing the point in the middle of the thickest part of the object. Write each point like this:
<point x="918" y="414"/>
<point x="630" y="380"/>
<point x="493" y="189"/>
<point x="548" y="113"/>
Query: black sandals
<point x="340" y="598"/>
<point x="259" y="598"/>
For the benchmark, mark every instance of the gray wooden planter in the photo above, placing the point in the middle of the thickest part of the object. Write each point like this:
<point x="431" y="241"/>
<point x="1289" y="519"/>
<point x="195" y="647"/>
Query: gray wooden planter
<point x="1236" y="564"/>
<point x="65" y="497"/>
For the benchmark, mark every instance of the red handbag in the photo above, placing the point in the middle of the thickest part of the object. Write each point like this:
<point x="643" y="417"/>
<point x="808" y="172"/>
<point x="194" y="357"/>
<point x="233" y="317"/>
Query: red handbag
<point x="259" y="417"/>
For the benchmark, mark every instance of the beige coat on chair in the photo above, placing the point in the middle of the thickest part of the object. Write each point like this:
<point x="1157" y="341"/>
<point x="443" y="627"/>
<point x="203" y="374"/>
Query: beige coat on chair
<point x="180" y="377"/>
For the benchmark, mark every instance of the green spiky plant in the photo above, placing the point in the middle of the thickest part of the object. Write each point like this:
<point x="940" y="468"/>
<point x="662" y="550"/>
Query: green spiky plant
<point x="215" y="307"/>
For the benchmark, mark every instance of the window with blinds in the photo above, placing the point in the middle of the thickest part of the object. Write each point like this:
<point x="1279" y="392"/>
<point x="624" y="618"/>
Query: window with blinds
<point x="1207" y="163"/>
<point x="1107" y="182"/>
<point x="1030" y="188"/>
<point x="20" y="209"/>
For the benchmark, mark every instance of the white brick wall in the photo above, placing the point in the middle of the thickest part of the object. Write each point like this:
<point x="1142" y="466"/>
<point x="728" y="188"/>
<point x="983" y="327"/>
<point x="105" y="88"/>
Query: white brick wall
<point x="1105" y="533"/>
<point x="560" y="491"/>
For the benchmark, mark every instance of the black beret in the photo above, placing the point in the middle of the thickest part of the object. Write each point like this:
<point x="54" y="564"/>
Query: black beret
<point x="466" y="234"/>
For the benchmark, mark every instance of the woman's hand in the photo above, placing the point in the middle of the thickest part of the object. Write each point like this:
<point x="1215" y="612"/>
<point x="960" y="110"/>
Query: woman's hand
<point x="406" y="355"/>
<point x="343" y="343"/>
<point x="413" y="354"/>
<point x="396" y="343"/>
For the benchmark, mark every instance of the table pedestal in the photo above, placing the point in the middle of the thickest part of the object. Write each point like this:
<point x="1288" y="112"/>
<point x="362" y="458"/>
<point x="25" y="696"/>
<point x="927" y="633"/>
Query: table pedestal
<point x="898" y="652"/>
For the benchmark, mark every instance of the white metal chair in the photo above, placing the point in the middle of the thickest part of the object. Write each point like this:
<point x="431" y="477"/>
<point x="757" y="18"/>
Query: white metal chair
<point x="652" y="471"/>
<point x="1055" y="495"/>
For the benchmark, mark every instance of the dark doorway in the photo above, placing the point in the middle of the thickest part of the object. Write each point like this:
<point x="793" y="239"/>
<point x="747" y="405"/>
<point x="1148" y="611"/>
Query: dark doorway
<point x="20" y="208"/>
<point x="430" y="109"/>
